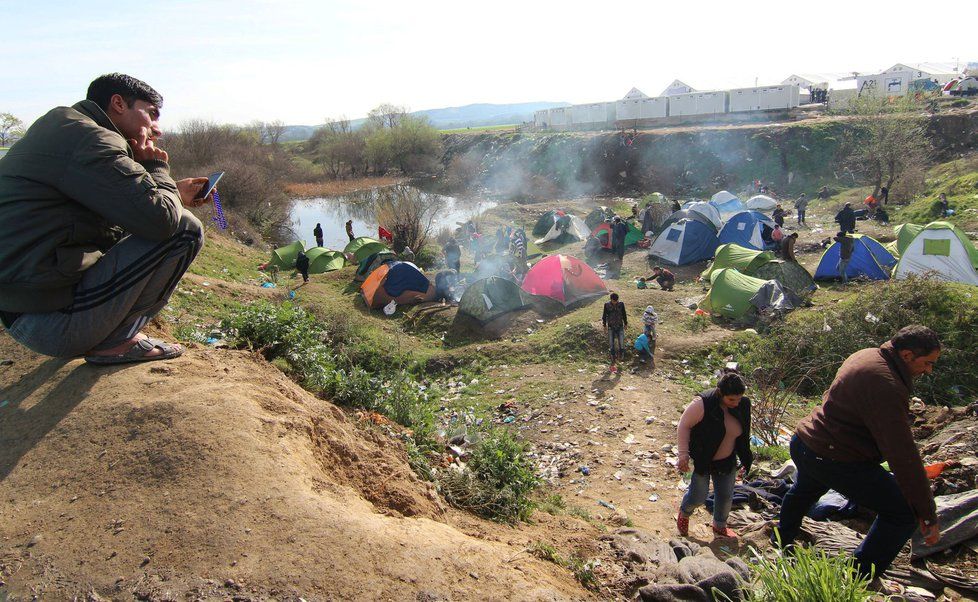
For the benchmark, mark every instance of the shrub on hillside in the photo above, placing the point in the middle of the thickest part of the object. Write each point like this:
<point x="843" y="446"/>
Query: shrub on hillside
<point x="497" y="481"/>
<point x="815" y="344"/>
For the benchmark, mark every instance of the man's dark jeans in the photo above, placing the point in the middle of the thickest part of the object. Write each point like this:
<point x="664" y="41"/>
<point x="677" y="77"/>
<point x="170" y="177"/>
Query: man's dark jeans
<point x="865" y="483"/>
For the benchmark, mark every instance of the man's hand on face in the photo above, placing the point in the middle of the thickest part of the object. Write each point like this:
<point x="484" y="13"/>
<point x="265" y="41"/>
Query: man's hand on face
<point x="143" y="148"/>
<point x="931" y="533"/>
<point x="189" y="188"/>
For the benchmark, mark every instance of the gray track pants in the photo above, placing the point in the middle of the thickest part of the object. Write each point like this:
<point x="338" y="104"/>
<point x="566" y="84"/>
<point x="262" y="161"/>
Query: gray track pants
<point x="116" y="297"/>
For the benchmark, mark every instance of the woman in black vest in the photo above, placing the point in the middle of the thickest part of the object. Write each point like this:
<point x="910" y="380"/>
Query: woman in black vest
<point x="714" y="432"/>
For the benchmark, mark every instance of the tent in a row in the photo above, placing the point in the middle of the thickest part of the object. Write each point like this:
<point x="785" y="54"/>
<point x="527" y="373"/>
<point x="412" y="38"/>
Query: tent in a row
<point x="565" y="228"/>
<point x="399" y="281"/>
<point x="563" y="278"/>
<point x="750" y="229"/>
<point x="372" y="262"/>
<point x="487" y="299"/>
<point x="761" y="202"/>
<point x="322" y="260"/>
<point x="732" y="294"/>
<point x="547" y="221"/>
<point x="284" y="257"/>
<point x="707" y="210"/>
<point x="940" y="250"/>
<point x="869" y="260"/>
<point x="690" y="239"/>
<point x="726" y="204"/>
<point x="603" y="232"/>
<point x="362" y="247"/>
<point x="763" y="265"/>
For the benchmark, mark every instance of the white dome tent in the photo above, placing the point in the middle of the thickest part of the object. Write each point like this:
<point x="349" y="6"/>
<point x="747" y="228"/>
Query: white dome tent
<point x="942" y="251"/>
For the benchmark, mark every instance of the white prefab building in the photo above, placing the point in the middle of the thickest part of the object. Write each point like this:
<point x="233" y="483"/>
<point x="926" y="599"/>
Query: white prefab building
<point x="698" y="103"/>
<point x="560" y="117"/>
<point x="641" y="108"/>
<point x="541" y="119"/>
<point x="677" y="87"/>
<point x="763" y="98"/>
<point x="593" y="114"/>
<point x="896" y="80"/>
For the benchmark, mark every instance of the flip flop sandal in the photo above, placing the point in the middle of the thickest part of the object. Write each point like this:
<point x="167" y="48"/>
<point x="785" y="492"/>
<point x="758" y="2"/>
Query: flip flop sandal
<point x="138" y="353"/>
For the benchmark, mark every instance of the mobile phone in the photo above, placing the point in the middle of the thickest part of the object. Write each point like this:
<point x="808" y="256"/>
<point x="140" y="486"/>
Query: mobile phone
<point x="212" y="181"/>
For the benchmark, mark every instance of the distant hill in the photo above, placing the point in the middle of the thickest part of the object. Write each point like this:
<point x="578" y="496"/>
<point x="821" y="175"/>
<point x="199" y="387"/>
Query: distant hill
<point x="473" y="115"/>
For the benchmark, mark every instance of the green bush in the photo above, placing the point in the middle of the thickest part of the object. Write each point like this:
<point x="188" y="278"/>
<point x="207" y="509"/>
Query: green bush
<point x="817" y="343"/>
<point x="808" y="574"/>
<point x="497" y="481"/>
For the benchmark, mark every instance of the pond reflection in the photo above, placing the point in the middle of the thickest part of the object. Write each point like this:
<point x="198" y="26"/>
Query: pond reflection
<point x="361" y="206"/>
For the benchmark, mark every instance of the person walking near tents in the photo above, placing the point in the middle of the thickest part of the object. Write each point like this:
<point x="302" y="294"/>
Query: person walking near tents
<point x="302" y="265"/>
<point x="664" y="278"/>
<point x="864" y="420"/>
<point x="318" y="233"/>
<point x="614" y="319"/>
<point x="619" y="230"/>
<point x="778" y="215"/>
<point x="349" y="229"/>
<point x="714" y="432"/>
<point x="846" y="218"/>
<point x="801" y="206"/>
<point x="453" y="254"/>
<point x="846" y="247"/>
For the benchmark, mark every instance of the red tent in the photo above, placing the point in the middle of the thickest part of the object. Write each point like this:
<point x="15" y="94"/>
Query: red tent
<point x="563" y="278"/>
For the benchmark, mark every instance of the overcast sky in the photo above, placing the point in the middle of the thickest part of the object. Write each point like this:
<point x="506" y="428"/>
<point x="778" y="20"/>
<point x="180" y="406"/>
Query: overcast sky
<point x="301" y="62"/>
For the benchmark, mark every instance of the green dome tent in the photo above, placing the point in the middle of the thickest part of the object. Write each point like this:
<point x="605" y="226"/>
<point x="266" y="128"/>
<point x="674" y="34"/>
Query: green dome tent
<point x="905" y="233"/>
<point x="284" y="257"/>
<point x="362" y="247"/>
<point x="547" y="221"/>
<point x="732" y="255"/>
<point x="634" y="234"/>
<point x="322" y="260"/>
<point x="731" y="293"/>
<point x="942" y="251"/>
<point x="487" y="299"/>
<point x="372" y="262"/>
<point x="789" y="274"/>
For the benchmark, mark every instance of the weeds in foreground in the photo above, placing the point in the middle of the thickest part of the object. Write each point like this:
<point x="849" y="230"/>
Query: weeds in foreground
<point x="808" y="574"/>
<point x="497" y="481"/>
<point x="499" y="478"/>
<point x="582" y="568"/>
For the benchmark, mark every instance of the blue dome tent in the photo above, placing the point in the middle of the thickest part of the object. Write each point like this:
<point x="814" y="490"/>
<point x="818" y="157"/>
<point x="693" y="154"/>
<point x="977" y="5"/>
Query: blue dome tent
<point x="869" y="260"/>
<point x="688" y="240"/>
<point x="746" y="229"/>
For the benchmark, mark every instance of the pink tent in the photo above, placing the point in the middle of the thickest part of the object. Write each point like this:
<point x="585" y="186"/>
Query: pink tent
<point x="563" y="278"/>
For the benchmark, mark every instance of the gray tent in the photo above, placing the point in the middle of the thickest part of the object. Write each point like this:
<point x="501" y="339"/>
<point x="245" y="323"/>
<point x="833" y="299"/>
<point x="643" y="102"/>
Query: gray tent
<point x="772" y="297"/>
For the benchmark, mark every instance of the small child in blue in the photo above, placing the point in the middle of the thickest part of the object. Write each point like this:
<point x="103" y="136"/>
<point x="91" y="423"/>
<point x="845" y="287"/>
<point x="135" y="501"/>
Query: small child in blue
<point x="645" y="343"/>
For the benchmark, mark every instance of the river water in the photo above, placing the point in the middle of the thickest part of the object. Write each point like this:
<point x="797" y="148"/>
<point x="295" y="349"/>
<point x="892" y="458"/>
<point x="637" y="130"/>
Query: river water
<point x="361" y="206"/>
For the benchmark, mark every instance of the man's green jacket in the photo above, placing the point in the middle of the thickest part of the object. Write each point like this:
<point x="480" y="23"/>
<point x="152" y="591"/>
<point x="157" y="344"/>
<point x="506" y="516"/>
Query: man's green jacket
<point x="66" y="190"/>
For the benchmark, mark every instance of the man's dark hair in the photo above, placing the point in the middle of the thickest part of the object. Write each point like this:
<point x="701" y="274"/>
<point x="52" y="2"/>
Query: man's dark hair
<point x="129" y="88"/>
<point x="917" y="339"/>
<point x="614" y="296"/>
<point x="731" y="383"/>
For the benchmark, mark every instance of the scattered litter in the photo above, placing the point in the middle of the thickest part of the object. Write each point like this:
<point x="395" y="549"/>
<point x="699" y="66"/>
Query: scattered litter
<point x="872" y="319"/>
<point x="4" y="403"/>
<point x="629" y="439"/>
<point x="584" y="470"/>
<point x="617" y="475"/>
<point x="607" y="505"/>
<point x="509" y="419"/>
<point x="653" y="498"/>
<point x="6" y="362"/>
<point x="268" y="285"/>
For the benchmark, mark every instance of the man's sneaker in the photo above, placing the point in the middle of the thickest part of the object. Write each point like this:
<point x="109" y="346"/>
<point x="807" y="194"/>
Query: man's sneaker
<point x="682" y="524"/>
<point x="724" y="532"/>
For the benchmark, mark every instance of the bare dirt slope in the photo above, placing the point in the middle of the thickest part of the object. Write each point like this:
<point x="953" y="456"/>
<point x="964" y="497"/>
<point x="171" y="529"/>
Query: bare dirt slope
<point x="214" y="476"/>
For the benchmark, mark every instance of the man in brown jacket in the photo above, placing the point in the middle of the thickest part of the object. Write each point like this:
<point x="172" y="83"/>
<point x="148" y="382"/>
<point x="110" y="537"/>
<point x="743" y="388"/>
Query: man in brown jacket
<point x="863" y="420"/>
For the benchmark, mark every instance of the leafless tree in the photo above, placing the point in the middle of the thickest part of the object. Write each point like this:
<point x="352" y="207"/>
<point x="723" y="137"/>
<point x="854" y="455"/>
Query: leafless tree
<point x="387" y="116"/>
<point x="888" y="139"/>
<point x="409" y="214"/>
<point x="10" y="126"/>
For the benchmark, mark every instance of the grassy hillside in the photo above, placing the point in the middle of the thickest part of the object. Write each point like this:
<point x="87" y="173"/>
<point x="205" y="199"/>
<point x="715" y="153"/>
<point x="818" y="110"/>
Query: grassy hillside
<point x="959" y="181"/>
